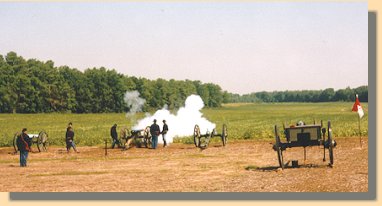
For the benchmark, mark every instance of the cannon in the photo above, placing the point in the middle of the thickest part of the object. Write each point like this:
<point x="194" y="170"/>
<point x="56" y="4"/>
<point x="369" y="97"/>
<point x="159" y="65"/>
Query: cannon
<point x="202" y="140"/>
<point x="40" y="139"/>
<point x="302" y="135"/>
<point x="135" y="137"/>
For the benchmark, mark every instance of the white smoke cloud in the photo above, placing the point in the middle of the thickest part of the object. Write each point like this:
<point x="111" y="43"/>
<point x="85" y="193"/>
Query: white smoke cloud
<point x="182" y="124"/>
<point x="134" y="102"/>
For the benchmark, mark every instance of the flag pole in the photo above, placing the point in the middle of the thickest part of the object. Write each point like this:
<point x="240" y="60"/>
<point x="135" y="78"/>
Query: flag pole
<point x="359" y="130"/>
<point x="357" y="108"/>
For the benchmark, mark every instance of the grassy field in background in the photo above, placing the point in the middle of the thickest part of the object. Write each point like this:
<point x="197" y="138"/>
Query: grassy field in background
<point x="249" y="121"/>
<point x="244" y="121"/>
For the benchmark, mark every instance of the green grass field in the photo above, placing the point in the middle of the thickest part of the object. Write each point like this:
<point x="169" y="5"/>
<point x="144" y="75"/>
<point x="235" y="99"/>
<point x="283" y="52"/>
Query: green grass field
<point x="244" y="121"/>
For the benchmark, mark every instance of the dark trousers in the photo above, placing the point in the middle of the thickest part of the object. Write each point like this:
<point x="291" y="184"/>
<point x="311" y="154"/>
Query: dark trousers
<point x="154" y="142"/>
<point x="115" y="141"/>
<point x="23" y="158"/>
<point x="69" y="145"/>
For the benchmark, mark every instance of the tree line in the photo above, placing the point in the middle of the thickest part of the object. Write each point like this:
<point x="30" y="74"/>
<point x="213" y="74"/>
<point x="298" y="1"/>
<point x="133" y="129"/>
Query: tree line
<point x="326" y="95"/>
<point x="33" y="86"/>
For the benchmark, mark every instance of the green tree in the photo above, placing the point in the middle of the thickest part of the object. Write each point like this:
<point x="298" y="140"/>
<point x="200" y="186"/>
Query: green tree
<point x="327" y="95"/>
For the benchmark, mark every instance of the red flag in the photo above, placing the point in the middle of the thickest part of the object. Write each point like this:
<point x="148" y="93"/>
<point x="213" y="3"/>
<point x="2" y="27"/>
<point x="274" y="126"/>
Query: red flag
<point x="357" y="107"/>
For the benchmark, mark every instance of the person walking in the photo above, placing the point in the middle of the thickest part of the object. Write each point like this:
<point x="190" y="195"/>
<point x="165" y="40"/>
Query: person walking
<point x="154" y="131"/>
<point x="164" y="132"/>
<point x="24" y="144"/>
<point x="69" y="137"/>
<point x="114" y="136"/>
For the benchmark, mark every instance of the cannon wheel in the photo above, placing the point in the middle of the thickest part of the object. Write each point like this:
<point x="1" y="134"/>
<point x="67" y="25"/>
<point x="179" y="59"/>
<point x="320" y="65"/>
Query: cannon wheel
<point x="331" y="146"/>
<point x="278" y="149"/>
<point x="42" y="141"/>
<point x="224" y="135"/>
<point x="147" y="137"/>
<point x="197" y="135"/>
<point x="15" y="141"/>
<point x="123" y="135"/>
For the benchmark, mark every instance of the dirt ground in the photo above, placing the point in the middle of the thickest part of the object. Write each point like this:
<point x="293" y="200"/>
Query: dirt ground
<point x="241" y="166"/>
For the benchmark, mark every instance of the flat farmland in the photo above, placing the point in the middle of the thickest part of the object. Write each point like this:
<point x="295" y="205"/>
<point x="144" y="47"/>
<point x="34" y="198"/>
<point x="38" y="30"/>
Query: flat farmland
<point x="244" y="122"/>
<point x="241" y="166"/>
<point x="247" y="164"/>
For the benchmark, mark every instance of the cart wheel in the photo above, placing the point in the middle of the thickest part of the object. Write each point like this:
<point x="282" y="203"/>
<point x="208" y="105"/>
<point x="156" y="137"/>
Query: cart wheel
<point x="42" y="141"/>
<point x="197" y="136"/>
<point x="224" y="135"/>
<point x="123" y="137"/>
<point x="122" y="142"/>
<point x="147" y="137"/>
<point x="278" y="148"/>
<point x="15" y="141"/>
<point x="331" y="144"/>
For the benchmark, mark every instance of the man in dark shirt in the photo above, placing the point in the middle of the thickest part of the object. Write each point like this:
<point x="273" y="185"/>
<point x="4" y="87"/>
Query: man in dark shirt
<point x="154" y="131"/>
<point x="70" y="139"/>
<point x="114" y="136"/>
<point x="164" y="132"/>
<point x="24" y="144"/>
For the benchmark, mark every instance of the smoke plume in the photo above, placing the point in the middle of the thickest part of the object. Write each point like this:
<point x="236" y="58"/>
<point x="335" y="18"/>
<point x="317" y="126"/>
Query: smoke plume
<point x="134" y="103"/>
<point x="182" y="124"/>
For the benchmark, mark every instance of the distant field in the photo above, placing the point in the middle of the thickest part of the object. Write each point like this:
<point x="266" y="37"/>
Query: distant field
<point x="244" y="121"/>
<point x="253" y="121"/>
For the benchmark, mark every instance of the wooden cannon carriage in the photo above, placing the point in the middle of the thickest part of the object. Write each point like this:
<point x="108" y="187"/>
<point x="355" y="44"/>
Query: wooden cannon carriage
<point x="302" y="135"/>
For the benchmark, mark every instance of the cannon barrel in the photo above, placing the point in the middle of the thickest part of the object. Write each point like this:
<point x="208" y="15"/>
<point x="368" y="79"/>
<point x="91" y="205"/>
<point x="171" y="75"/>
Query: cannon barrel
<point x="136" y="132"/>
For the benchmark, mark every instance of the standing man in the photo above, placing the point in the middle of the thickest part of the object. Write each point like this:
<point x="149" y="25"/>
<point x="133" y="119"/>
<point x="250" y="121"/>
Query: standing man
<point x="23" y="144"/>
<point x="67" y="141"/>
<point x="114" y="136"/>
<point x="164" y="132"/>
<point x="154" y="131"/>
<point x="69" y="137"/>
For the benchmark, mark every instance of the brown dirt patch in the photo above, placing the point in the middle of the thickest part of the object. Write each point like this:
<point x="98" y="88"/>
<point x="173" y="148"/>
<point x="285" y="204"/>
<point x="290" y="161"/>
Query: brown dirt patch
<point x="241" y="166"/>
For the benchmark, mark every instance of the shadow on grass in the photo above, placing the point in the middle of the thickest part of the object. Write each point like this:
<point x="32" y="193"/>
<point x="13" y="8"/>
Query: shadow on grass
<point x="286" y="166"/>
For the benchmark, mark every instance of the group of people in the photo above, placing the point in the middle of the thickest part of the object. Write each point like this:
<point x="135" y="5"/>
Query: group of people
<point x="24" y="143"/>
<point x="154" y="131"/>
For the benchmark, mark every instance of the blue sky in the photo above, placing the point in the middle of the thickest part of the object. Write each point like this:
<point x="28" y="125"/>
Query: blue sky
<point x="243" y="47"/>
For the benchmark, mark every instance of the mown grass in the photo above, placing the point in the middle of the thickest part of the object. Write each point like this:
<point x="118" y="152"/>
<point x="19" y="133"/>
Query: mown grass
<point x="244" y="121"/>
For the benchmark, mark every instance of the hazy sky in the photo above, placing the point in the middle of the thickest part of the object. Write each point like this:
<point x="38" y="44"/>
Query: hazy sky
<point x="243" y="47"/>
